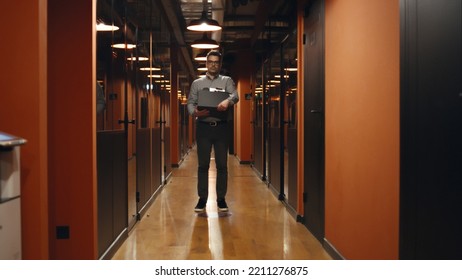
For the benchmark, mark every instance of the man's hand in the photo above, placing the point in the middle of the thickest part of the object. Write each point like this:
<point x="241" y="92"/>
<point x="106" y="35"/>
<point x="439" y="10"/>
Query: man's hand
<point x="223" y="106"/>
<point x="201" y="113"/>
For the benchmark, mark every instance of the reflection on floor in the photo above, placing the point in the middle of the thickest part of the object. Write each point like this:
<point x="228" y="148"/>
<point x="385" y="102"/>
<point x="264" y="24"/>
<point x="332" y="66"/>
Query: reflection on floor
<point x="257" y="226"/>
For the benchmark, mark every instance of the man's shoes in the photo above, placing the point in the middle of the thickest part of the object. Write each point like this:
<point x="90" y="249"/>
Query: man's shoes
<point x="200" y="207"/>
<point x="222" y="206"/>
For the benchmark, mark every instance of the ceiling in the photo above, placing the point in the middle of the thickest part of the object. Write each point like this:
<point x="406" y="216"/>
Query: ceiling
<point x="164" y="22"/>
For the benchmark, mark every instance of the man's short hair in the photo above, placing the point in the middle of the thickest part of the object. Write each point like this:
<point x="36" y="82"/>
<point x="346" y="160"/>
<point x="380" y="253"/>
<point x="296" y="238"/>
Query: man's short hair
<point x="214" y="53"/>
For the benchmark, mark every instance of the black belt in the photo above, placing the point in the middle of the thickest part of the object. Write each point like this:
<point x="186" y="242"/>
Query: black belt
<point x="213" y="123"/>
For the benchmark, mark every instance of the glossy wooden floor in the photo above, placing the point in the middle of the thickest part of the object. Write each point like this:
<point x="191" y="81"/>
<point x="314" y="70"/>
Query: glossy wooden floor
<point x="258" y="226"/>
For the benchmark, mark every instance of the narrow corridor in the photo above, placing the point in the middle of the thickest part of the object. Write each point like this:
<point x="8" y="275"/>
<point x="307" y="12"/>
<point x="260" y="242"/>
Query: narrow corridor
<point x="258" y="226"/>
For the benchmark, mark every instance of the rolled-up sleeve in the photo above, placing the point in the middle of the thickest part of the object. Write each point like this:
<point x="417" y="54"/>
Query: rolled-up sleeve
<point x="192" y="98"/>
<point x="231" y="89"/>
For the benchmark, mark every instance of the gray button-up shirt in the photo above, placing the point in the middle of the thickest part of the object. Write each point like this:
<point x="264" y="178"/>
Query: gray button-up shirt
<point x="220" y="81"/>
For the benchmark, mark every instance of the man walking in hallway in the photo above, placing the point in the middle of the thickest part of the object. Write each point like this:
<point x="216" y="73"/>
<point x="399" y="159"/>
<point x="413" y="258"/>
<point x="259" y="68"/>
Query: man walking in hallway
<point x="212" y="129"/>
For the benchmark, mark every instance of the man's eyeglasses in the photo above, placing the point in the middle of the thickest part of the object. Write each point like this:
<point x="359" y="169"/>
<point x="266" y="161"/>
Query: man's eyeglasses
<point x="213" y="62"/>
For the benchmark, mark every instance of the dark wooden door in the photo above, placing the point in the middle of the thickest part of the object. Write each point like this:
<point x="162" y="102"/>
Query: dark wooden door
<point x="166" y="130"/>
<point x="314" y="119"/>
<point x="259" y="125"/>
<point x="289" y="81"/>
<point x="274" y="124"/>
<point x="431" y="130"/>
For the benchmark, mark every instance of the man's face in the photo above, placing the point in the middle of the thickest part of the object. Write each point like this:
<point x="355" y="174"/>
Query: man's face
<point x="213" y="65"/>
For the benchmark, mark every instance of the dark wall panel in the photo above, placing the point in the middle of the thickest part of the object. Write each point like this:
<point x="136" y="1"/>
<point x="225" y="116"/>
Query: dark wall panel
<point x="314" y="51"/>
<point x="112" y="187"/>
<point x="167" y="154"/>
<point x="274" y="175"/>
<point x="143" y="165"/>
<point x="156" y="160"/>
<point x="120" y="182"/>
<point x="292" y="169"/>
<point x="431" y="129"/>
<point x="258" y="150"/>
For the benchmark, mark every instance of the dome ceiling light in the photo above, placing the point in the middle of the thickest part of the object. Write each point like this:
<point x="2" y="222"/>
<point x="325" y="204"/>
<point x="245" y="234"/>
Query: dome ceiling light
<point x="204" y="24"/>
<point x="205" y="43"/>
<point x="201" y="57"/>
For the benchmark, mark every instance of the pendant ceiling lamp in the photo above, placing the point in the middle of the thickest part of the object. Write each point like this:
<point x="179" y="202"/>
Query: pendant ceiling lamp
<point x="202" y="68"/>
<point x="124" y="46"/>
<point x="204" y="24"/>
<point x="101" y="26"/>
<point x="106" y="27"/>
<point x="205" y="43"/>
<point x="201" y="57"/>
<point x="139" y="58"/>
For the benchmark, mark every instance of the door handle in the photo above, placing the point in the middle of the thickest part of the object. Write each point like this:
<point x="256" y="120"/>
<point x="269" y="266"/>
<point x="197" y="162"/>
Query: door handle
<point x="128" y="121"/>
<point x="316" y="111"/>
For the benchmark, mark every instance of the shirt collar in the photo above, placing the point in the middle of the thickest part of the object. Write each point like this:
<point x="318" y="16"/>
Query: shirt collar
<point x="211" y="77"/>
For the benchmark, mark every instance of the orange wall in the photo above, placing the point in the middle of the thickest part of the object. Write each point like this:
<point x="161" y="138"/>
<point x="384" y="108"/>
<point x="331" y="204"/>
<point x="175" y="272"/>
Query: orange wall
<point x="23" y="112"/>
<point x="244" y="69"/>
<point x="72" y="128"/>
<point x="362" y="128"/>
<point x="300" y="107"/>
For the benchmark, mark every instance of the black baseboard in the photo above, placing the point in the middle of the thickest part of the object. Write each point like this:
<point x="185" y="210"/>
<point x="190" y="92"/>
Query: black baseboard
<point x="330" y="249"/>
<point x="146" y="206"/>
<point x="110" y="252"/>
<point x="290" y="209"/>
<point x="274" y="190"/>
<point x="176" y="165"/>
<point x="258" y="173"/>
